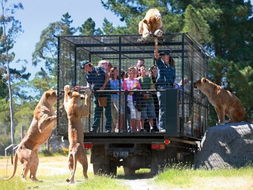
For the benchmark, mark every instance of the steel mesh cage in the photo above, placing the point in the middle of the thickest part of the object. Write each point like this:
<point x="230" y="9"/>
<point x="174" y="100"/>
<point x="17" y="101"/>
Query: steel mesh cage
<point x="123" y="51"/>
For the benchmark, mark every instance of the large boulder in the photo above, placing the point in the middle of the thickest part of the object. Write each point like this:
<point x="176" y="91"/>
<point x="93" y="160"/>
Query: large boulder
<point x="226" y="146"/>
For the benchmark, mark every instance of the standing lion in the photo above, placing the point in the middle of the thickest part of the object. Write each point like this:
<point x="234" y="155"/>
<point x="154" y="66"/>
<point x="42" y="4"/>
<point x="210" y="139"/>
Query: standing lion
<point x="43" y="123"/>
<point x="76" y="106"/>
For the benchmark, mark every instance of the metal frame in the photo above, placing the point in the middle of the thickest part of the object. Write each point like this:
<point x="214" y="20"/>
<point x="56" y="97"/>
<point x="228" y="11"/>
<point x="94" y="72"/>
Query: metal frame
<point x="122" y="50"/>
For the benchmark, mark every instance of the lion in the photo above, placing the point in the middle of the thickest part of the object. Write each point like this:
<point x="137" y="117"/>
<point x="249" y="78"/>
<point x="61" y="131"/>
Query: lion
<point x="76" y="106"/>
<point x="151" y="25"/>
<point x="225" y="103"/>
<point x="43" y="123"/>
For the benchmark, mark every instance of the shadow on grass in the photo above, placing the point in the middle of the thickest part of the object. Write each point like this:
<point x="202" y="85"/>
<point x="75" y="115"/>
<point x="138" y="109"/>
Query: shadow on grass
<point x="147" y="175"/>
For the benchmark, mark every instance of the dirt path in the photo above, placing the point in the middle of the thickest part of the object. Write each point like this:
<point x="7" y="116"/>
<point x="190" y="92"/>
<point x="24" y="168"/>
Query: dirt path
<point x="141" y="184"/>
<point x="139" y="181"/>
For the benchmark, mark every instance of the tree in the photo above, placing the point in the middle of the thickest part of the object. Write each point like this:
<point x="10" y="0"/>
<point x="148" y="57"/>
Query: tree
<point x="67" y="21"/>
<point x="196" y="25"/>
<point x="89" y="28"/>
<point x="224" y="28"/>
<point x="3" y="84"/>
<point x="10" y="27"/>
<point x="46" y="52"/>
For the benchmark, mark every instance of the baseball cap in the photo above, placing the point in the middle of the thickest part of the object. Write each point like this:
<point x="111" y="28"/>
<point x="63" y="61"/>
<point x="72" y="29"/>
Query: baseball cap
<point x="167" y="52"/>
<point x="83" y="63"/>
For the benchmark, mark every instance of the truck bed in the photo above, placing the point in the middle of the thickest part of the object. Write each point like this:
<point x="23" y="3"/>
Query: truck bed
<point x="98" y="138"/>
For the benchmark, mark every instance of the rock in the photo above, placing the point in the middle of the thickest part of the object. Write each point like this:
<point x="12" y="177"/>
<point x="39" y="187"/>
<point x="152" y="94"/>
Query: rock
<point x="226" y="146"/>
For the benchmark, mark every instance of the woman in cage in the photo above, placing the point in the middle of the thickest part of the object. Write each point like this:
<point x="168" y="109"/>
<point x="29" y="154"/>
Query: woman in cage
<point x="132" y="83"/>
<point x="118" y="101"/>
<point x="166" y="75"/>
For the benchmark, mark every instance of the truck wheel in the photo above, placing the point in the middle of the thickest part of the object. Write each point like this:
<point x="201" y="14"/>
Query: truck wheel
<point x="98" y="169"/>
<point x="112" y="169"/>
<point x="154" y="166"/>
<point x="105" y="169"/>
<point x="128" y="171"/>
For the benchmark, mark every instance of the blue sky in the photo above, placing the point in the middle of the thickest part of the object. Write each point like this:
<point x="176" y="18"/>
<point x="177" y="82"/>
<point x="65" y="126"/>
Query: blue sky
<point x="37" y="15"/>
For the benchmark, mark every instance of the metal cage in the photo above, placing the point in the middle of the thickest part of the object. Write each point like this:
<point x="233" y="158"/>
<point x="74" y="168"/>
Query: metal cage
<point x="123" y="51"/>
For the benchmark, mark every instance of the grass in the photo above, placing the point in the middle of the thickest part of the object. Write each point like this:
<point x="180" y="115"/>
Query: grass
<point x="58" y="183"/>
<point x="225" y="179"/>
<point x="53" y="172"/>
<point x="15" y="184"/>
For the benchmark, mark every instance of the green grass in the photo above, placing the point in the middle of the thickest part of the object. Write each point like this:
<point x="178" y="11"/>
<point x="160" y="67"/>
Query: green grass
<point x="15" y="185"/>
<point x="52" y="181"/>
<point x="53" y="172"/>
<point x="58" y="183"/>
<point x="101" y="183"/>
<point x="207" y="179"/>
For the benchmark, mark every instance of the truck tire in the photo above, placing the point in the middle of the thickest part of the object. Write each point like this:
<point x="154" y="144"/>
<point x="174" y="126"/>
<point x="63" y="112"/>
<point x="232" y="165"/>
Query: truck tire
<point x="128" y="171"/>
<point x="154" y="168"/>
<point x="111" y="168"/>
<point x="98" y="169"/>
<point x="105" y="169"/>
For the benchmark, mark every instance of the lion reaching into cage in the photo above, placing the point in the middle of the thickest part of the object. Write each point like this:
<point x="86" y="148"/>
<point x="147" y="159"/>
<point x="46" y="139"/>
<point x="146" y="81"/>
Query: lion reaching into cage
<point x="151" y="25"/>
<point x="43" y="123"/>
<point x="76" y="106"/>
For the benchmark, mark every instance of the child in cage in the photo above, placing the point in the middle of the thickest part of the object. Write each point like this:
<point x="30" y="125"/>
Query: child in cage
<point x="148" y="107"/>
<point x="132" y="83"/>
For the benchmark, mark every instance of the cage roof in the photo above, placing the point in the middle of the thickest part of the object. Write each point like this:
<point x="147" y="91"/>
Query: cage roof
<point x="128" y="46"/>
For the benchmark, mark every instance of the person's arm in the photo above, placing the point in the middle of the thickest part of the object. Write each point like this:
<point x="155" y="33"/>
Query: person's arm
<point x="158" y="60"/>
<point x="138" y="84"/>
<point x="174" y="74"/>
<point x="105" y="82"/>
<point x="89" y="78"/>
<point x="156" y="54"/>
<point x="152" y="85"/>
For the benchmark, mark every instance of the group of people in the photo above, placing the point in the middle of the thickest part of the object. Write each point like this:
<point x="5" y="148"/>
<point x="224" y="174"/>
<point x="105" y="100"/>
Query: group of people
<point x="139" y="105"/>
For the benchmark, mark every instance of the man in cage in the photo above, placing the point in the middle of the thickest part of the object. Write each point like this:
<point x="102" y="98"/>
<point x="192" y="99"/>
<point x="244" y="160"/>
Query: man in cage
<point x="166" y="75"/>
<point x="97" y="79"/>
<point x="140" y="63"/>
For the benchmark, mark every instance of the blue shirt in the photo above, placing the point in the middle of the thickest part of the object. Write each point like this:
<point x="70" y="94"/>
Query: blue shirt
<point x="96" y="78"/>
<point x="115" y="85"/>
<point x="166" y="74"/>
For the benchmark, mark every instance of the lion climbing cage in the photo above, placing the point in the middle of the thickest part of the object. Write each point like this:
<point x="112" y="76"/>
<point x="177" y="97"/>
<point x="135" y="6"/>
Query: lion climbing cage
<point x="186" y="108"/>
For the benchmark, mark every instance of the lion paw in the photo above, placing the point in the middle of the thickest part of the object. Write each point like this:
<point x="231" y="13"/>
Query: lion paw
<point x="67" y="88"/>
<point x="158" y="33"/>
<point x="140" y="40"/>
<point x="88" y="91"/>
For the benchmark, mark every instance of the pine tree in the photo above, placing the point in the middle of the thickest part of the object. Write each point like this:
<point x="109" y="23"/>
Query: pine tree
<point x="10" y="28"/>
<point x="45" y="53"/>
<point x="223" y="27"/>
<point x="89" y="28"/>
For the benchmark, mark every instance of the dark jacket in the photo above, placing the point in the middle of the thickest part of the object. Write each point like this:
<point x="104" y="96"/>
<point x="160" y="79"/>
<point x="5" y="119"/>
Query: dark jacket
<point x="166" y="74"/>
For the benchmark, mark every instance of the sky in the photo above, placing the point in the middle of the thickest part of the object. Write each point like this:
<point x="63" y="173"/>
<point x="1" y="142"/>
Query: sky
<point x="38" y="14"/>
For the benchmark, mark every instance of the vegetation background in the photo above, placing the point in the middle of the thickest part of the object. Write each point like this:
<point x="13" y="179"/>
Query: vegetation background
<point x="223" y="27"/>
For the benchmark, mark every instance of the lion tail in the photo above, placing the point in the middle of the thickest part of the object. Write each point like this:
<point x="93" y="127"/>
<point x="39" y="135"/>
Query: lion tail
<point x="15" y="167"/>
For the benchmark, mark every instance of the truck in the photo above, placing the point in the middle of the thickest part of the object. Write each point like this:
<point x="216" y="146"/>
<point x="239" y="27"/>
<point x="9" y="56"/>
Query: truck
<point x="186" y="108"/>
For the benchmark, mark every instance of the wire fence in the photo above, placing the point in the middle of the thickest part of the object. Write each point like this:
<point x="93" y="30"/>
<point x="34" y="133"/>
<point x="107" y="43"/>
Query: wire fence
<point x="187" y="106"/>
